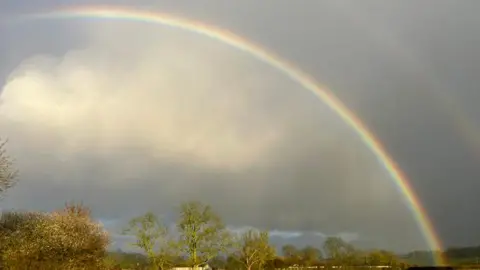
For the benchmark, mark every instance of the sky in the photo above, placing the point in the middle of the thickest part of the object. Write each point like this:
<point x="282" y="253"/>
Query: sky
<point x="130" y="117"/>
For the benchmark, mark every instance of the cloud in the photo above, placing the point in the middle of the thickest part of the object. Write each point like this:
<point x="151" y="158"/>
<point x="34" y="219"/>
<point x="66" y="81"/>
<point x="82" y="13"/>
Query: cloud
<point x="173" y="108"/>
<point x="143" y="118"/>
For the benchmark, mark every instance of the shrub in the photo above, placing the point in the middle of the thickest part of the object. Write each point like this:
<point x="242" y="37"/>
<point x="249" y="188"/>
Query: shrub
<point x="65" y="239"/>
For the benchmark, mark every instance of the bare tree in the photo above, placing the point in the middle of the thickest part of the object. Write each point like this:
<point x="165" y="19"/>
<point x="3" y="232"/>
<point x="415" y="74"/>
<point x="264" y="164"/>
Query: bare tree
<point x="8" y="175"/>
<point x="203" y="236"/>
<point x="152" y="237"/>
<point x="255" y="249"/>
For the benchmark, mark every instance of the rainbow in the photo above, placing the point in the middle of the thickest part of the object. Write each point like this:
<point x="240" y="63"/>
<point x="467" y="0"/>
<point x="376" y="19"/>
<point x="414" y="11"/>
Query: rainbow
<point x="461" y="120"/>
<point x="235" y="41"/>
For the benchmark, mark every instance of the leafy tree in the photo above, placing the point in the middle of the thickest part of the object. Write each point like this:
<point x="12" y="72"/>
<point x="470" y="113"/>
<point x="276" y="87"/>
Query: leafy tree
<point x="339" y="251"/>
<point x="152" y="237"/>
<point x="277" y="262"/>
<point x="310" y="255"/>
<point x="218" y="262"/>
<point x="232" y="263"/>
<point x="255" y="249"/>
<point x="127" y="260"/>
<point x="291" y="254"/>
<point x="203" y="236"/>
<point x="381" y="257"/>
<point x="110" y="263"/>
<point x="289" y="251"/>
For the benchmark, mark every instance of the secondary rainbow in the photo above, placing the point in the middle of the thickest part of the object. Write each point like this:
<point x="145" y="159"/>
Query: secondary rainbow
<point x="229" y="38"/>
<point x="455" y="109"/>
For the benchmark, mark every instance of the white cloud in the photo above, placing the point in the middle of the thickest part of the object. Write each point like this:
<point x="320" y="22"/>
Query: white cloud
<point x="175" y="101"/>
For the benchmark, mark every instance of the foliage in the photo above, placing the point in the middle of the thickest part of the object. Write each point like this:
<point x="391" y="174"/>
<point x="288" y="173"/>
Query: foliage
<point x="255" y="249"/>
<point x="291" y="254"/>
<point x="310" y="256"/>
<point x="70" y="239"/>
<point x="218" y="262"/>
<point x="8" y="175"/>
<point x="66" y="239"/>
<point x="127" y="260"/>
<point x="152" y="237"/>
<point x="232" y="263"/>
<point x="381" y="257"/>
<point x="339" y="251"/>
<point x="203" y="236"/>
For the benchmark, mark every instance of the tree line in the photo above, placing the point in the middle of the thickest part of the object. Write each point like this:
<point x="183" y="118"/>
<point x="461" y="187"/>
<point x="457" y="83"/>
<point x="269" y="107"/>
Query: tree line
<point x="200" y="237"/>
<point x="69" y="238"/>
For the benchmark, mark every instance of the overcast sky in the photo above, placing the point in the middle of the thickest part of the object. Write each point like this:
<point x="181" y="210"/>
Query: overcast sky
<point x="130" y="117"/>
